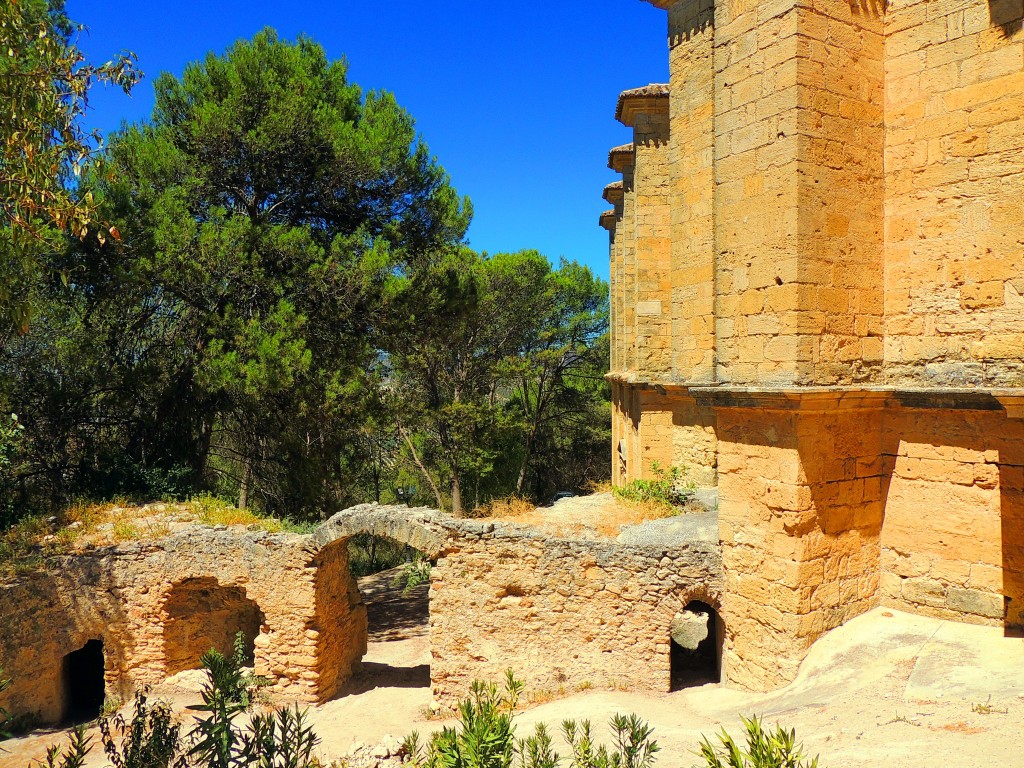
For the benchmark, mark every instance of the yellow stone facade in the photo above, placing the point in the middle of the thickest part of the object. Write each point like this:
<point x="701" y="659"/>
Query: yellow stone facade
<point x="817" y="271"/>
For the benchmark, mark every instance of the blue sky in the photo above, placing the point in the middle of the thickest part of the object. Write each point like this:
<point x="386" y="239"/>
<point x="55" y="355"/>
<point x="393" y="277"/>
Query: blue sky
<point x="516" y="100"/>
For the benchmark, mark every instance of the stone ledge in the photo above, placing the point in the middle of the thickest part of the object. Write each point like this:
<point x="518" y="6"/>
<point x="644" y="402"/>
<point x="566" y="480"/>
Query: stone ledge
<point x="647" y="99"/>
<point x="614" y="192"/>
<point x="608" y="219"/>
<point x="820" y="397"/>
<point x="620" y="157"/>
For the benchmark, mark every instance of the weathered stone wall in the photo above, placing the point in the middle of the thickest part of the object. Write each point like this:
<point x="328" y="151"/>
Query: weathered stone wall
<point x="564" y="615"/>
<point x="154" y="605"/>
<point x="691" y="147"/>
<point x="800" y="512"/>
<point x="954" y="179"/>
<point x="953" y="538"/>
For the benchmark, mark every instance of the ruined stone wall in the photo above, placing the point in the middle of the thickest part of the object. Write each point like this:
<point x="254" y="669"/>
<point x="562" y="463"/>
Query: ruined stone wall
<point x="564" y="615"/>
<point x="954" y="165"/>
<point x="155" y="604"/>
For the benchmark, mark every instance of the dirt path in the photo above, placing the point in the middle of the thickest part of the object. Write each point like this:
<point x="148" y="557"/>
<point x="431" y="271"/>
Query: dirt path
<point x="888" y="689"/>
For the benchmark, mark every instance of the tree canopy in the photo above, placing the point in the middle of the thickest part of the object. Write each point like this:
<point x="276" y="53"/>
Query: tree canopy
<point x="44" y="89"/>
<point x="289" y="315"/>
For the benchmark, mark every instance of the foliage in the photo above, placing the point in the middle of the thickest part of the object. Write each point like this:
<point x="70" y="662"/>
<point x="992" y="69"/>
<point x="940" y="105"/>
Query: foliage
<point x="765" y="749"/>
<point x="44" y="87"/>
<point x="150" y="740"/>
<point x="369" y="554"/>
<point x="71" y="756"/>
<point x="227" y="678"/>
<point x="414" y="573"/>
<point x="634" y="747"/>
<point x="11" y="446"/>
<point x="280" y="739"/>
<point x="485" y="738"/>
<point x="290" y="319"/>
<point x="497" y="364"/>
<point x="665" y="488"/>
<point x="5" y="718"/>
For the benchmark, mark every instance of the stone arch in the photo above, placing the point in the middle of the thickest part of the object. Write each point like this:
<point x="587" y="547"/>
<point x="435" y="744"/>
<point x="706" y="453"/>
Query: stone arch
<point x="200" y="613"/>
<point x="421" y="528"/>
<point x="695" y="645"/>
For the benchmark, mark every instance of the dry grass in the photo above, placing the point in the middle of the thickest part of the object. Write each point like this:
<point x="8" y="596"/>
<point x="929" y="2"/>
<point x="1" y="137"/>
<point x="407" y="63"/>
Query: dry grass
<point x="511" y="507"/>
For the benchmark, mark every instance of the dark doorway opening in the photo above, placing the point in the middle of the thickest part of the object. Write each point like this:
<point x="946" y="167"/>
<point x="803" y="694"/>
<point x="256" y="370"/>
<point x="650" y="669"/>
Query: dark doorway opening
<point x="84" y="690"/>
<point x="696" y="640"/>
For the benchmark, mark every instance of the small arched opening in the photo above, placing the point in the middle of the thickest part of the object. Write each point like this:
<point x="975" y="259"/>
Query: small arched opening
<point x="82" y="676"/>
<point x="696" y="638"/>
<point x="200" y="614"/>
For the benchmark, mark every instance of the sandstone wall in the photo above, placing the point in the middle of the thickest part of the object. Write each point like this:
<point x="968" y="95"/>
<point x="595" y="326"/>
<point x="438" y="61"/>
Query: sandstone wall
<point x="565" y="615"/>
<point x="953" y="538"/>
<point x="801" y="501"/>
<point x="692" y="185"/>
<point x="152" y="604"/>
<point x="954" y="179"/>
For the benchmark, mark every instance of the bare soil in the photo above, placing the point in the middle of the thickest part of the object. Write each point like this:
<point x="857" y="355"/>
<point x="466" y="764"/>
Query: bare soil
<point x="887" y="689"/>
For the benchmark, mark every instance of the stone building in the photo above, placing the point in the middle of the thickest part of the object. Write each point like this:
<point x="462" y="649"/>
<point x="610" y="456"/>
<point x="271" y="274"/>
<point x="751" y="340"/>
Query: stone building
<point x="817" y="270"/>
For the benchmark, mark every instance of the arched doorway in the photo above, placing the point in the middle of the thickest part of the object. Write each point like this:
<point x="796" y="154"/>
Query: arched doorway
<point x="696" y="638"/>
<point x="202" y="614"/>
<point x="393" y="579"/>
<point x="82" y="677"/>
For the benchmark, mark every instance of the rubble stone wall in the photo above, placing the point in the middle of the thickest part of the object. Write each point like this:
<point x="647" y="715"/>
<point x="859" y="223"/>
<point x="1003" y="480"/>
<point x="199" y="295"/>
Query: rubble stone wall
<point x="153" y="604"/>
<point x="564" y="615"/>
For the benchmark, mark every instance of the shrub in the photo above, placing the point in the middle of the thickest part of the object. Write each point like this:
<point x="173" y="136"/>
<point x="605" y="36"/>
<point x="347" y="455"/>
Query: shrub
<point x="666" y="488"/>
<point x="485" y="738"/>
<point x="280" y="739"/>
<point x="5" y="719"/>
<point x="151" y="740"/>
<point x="73" y="756"/>
<point x="413" y="573"/>
<point x="765" y="749"/>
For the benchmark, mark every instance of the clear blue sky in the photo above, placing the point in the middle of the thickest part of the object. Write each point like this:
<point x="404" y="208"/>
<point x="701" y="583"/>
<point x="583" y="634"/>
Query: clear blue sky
<point x="516" y="99"/>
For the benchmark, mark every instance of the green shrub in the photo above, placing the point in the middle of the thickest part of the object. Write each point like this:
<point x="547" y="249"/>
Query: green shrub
<point x="280" y="739"/>
<point x="413" y="573"/>
<point x="151" y="740"/>
<point x="666" y="488"/>
<point x="73" y="756"/>
<point x="485" y="738"/>
<point x="765" y="749"/>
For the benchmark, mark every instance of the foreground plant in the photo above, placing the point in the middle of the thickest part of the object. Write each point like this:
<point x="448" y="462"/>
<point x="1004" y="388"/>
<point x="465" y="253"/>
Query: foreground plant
<point x="765" y="749"/>
<point x="151" y="739"/>
<point x="485" y="738"/>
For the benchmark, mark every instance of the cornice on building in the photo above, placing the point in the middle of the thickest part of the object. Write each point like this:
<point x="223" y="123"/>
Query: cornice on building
<point x="621" y="157"/>
<point x="648" y="99"/>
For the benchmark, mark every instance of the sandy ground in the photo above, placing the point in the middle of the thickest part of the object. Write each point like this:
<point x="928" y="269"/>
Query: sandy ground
<point x="887" y="689"/>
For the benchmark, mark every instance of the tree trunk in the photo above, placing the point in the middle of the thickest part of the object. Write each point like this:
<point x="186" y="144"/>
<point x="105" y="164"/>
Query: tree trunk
<point x="423" y="469"/>
<point x="456" y="496"/>
<point x="243" y="487"/>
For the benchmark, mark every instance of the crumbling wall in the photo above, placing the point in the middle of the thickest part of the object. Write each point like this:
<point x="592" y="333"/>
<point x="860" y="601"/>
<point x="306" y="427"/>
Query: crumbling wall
<point x="564" y="615"/>
<point x="158" y="605"/>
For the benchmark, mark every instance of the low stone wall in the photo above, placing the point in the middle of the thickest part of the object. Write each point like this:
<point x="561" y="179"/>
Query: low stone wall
<point x="157" y="605"/>
<point x="563" y="614"/>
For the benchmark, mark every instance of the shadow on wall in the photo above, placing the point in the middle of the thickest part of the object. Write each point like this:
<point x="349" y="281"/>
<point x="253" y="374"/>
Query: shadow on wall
<point x="939" y="492"/>
<point x="1008" y="15"/>
<point x="201" y="614"/>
